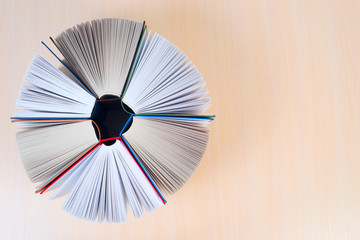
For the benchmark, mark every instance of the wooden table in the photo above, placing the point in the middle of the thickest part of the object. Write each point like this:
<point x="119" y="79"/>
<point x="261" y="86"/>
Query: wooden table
<point x="283" y="160"/>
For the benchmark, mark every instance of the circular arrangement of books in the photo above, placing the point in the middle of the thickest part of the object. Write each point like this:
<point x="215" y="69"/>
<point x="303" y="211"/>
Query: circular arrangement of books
<point x="120" y="127"/>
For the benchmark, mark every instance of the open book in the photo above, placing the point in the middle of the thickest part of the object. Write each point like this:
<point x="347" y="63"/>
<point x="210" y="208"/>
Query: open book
<point x="123" y="132"/>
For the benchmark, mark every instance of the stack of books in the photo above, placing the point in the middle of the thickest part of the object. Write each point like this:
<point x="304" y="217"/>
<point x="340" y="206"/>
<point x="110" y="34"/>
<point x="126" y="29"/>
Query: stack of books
<point x="123" y="132"/>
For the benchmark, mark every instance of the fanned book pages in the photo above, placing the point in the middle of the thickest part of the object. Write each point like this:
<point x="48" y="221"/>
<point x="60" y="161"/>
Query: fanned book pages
<point x="49" y="93"/>
<point x="100" y="52"/>
<point x="164" y="81"/>
<point x="46" y="147"/>
<point x="123" y="132"/>
<point x="170" y="148"/>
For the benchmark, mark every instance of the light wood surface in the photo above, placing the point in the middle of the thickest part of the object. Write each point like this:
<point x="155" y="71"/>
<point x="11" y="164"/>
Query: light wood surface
<point x="283" y="161"/>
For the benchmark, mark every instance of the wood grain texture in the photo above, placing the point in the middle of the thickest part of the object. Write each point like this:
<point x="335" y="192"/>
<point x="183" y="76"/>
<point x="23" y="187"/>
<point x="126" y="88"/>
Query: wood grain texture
<point x="283" y="160"/>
